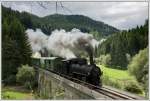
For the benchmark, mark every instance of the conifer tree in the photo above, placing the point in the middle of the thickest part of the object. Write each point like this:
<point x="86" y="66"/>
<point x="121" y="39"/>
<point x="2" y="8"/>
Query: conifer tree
<point x="15" y="46"/>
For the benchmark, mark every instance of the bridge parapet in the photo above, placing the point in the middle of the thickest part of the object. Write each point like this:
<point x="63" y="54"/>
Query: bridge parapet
<point x="53" y="86"/>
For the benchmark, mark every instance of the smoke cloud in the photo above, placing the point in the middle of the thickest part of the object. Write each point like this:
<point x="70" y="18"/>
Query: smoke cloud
<point x="62" y="43"/>
<point x="37" y="39"/>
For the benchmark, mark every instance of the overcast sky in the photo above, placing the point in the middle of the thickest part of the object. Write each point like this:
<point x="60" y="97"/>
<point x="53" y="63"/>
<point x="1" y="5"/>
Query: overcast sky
<point x="122" y="15"/>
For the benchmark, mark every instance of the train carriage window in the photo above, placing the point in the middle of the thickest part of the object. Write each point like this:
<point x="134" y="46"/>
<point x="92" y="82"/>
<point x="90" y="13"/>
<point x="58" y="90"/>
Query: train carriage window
<point x="42" y="63"/>
<point x="57" y="66"/>
<point x="49" y="63"/>
<point x="46" y="64"/>
<point x="52" y="66"/>
<point x="38" y="62"/>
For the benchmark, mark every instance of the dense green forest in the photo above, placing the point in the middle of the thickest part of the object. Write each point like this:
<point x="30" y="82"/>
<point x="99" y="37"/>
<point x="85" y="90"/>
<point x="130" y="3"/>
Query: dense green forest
<point x="120" y="47"/>
<point x="57" y="21"/>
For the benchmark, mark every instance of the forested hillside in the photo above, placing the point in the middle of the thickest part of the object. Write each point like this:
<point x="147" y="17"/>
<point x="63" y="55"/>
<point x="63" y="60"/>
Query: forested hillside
<point x="56" y="21"/>
<point x="120" y="47"/>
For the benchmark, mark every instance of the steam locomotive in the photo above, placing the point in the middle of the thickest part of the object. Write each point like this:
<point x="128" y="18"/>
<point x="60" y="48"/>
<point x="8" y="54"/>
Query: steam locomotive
<point x="77" y="68"/>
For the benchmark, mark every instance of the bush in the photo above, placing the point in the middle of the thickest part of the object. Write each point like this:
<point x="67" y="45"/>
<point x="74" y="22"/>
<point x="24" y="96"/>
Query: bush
<point x="139" y="65"/>
<point x="133" y="87"/>
<point x="26" y="76"/>
<point x="105" y="59"/>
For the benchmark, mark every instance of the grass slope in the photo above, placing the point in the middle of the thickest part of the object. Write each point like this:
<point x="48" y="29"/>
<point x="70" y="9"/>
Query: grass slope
<point x="120" y="79"/>
<point x="16" y="93"/>
<point x="116" y="74"/>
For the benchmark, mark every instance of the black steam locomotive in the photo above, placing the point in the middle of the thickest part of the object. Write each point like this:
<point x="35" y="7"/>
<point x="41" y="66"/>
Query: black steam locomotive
<point x="76" y="68"/>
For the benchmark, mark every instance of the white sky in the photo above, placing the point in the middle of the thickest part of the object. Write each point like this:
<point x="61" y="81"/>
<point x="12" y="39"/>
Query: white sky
<point x="122" y="15"/>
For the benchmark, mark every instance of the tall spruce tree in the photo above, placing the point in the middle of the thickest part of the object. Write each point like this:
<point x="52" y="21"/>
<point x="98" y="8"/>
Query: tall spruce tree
<point x="10" y="57"/>
<point x="18" y="34"/>
<point x="15" y="46"/>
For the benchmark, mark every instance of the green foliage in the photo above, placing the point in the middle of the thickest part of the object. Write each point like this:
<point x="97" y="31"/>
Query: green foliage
<point x="116" y="74"/>
<point x="120" y="79"/>
<point x="16" y="93"/>
<point x="96" y="35"/>
<point x="10" y="58"/>
<point x="15" y="46"/>
<point x="139" y="67"/>
<point x="133" y="87"/>
<point x="108" y="81"/>
<point x="126" y="42"/>
<point x="26" y="76"/>
<point x="13" y="95"/>
<point x="105" y="59"/>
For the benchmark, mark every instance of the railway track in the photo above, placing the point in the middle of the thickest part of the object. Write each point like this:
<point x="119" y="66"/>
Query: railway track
<point x="123" y="94"/>
<point x="114" y="94"/>
<point x="109" y="92"/>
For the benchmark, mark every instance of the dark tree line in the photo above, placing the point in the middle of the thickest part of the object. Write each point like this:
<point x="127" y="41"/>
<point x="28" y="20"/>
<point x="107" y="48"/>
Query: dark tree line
<point x="15" y="46"/>
<point x="126" y="42"/>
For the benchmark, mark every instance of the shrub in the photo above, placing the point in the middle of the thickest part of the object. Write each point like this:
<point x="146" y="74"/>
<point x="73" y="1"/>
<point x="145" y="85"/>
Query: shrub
<point x="26" y="76"/>
<point x="137" y="66"/>
<point x="105" y="59"/>
<point x="133" y="87"/>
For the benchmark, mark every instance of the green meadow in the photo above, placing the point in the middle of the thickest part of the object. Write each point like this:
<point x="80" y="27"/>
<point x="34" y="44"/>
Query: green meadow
<point x="120" y="79"/>
<point x="16" y="93"/>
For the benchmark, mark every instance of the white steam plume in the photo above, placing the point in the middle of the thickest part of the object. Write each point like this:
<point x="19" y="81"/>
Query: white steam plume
<point x="37" y="39"/>
<point x="62" y="43"/>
